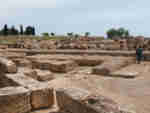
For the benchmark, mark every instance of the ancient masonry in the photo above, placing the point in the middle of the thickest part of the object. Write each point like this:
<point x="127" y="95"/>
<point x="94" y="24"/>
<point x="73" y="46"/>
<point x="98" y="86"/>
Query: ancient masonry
<point x="26" y="83"/>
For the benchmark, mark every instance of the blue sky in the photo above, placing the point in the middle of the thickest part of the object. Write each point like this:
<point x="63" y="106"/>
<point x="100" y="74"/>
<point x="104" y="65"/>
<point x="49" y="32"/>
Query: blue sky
<point x="79" y="16"/>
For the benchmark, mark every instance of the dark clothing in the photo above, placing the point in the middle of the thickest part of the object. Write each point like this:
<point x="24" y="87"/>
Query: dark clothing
<point x="139" y="54"/>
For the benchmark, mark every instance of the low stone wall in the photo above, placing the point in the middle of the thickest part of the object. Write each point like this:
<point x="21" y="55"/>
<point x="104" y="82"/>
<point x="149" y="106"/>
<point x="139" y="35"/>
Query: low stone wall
<point x="14" y="100"/>
<point x="41" y="94"/>
<point x="22" y="62"/>
<point x="74" y="100"/>
<point x="54" y="66"/>
<point x="87" y="60"/>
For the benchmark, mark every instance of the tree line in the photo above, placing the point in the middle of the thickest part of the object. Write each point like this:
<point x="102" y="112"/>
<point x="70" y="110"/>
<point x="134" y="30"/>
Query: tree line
<point x="120" y="32"/>
<point x="5" y="31"/>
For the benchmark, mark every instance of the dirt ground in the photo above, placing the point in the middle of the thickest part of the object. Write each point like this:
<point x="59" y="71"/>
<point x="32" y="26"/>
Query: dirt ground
<point x="131" y="94"/>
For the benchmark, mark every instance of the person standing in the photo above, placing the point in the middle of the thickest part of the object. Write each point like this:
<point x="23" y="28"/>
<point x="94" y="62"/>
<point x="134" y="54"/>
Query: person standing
<point x="139" y="54"/>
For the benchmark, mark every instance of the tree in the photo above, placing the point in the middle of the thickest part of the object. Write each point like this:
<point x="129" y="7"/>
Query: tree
<point x="21" y="30"/>
<point x="52" y="34"/>
<point x="5" y="30"/>
<point x="87" y="34"/>
<point x="13" y="31"/>
<point x="70" y="34"/>
<point x="121" y="32"/>
<point x="76" y="35"/>
<point x="45" y="34"/>
<point x="33" y="30"/>
<point x="29" y="30"/>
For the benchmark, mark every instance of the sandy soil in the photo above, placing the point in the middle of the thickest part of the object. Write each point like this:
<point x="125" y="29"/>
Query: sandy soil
<point x="131" y="94"/>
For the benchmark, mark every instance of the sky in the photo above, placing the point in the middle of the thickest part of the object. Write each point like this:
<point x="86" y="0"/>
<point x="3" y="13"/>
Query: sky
<point x="78" y="16"/>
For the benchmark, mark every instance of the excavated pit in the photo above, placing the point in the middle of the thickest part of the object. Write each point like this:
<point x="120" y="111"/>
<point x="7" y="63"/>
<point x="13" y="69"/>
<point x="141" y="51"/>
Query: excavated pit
<point x="69" y="84"/>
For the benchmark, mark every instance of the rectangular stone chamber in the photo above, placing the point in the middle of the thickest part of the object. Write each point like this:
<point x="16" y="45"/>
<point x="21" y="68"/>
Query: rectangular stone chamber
<point x="41" y="94"/>
<point x="14" y="100"/>
<point x="75" y="100"/>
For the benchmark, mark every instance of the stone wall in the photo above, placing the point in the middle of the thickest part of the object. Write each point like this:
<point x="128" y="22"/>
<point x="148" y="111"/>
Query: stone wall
<point x="14" y="100"/>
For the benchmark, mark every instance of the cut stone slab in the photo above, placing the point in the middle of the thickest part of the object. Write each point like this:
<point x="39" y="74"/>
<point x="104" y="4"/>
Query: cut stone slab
<point x="41" y="64"/>
<point x="14" y="55"/>
<point x="43" y="75"/>
<point x="23" y="63"/>
<point x="112" y="65"/>
<point x="130" y="71"/>
<point x="54" y="66"/>
<point x="41" y="94"/>
<point x="88" y="60"/>
<point x="30" y="73"/>
<point x="77" y="100"/>
<point x="5" y="82"/>
<point x="9" y="66"/>
<point x="14" y="100"/>
<point x="62" y="66"/>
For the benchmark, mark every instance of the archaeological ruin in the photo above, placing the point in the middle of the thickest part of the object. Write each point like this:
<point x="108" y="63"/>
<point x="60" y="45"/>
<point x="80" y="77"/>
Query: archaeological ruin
<point x="74" y="80"/>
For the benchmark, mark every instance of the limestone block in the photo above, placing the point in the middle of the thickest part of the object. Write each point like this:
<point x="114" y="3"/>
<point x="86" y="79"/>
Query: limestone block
<point x="62" y="66"/>
<point x="14" y="100"/>
<point x="112" y="65"/>
<point x="43" y="75"/>
<point x="55" y="66"/>
<point x="77" y="100"/>
<point x="9" y="66"/>
<point x="41" y="94"/>
<point x="22" y="63"/>
<point x="30" y="73"/>
<point x="88" y="61"/>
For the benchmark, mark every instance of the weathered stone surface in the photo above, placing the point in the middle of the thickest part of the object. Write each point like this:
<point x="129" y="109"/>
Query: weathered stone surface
<point x="55" y="66"/>
<point x="41" y="94"/>
<point x="131" y="71"/>
<point x="77" y="100"/>
<point x="8" y="65"/>
<point x="14" y="100"/>
<point x="5" y="82"/>
<point x="41" y="64"/>
<point x="30" y="73"/>
<point x="112" y="65"/>
<point x="23" y="63"/>
<point x="62" y="66"/>
<point x="43" y="75"/>
<point x="88" y="60"/>
<point x="13" y="55"/>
